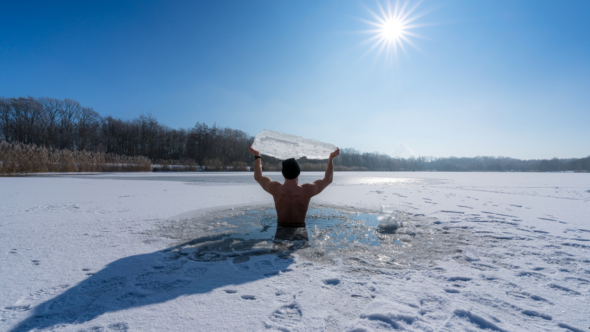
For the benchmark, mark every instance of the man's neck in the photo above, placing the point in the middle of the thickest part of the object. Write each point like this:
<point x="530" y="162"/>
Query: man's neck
<point x="293" y="182"/>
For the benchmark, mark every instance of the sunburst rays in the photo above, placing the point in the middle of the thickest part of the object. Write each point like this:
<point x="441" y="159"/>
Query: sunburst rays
<point x="392" y="24"/>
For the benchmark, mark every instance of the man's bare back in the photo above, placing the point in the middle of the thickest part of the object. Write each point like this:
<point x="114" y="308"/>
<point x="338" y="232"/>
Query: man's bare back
<point x="292" y="199"/>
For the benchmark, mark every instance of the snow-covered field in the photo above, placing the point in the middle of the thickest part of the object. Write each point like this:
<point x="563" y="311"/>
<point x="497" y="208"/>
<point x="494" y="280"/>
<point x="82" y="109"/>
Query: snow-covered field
<point x="139" y="252"/>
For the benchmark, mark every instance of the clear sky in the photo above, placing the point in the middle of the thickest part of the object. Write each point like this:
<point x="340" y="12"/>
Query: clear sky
<point x="493" y="78"/>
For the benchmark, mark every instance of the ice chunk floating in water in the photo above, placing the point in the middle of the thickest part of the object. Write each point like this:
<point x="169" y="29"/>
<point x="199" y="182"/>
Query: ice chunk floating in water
<point x="388" y="220"/>
<point x="285" y="146"/>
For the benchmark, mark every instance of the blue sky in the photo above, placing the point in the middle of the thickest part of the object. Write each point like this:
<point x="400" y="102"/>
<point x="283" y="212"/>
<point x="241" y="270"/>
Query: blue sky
<point x="494" y="78"/>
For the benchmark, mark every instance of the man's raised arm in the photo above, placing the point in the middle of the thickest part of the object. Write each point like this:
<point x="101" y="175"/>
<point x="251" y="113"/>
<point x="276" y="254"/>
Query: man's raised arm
<point x="265" y="182"/>
<point x="319" y="185"/>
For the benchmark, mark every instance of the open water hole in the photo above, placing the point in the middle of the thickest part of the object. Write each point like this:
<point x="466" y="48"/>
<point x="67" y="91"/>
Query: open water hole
<point x="325" y="226"/>
<point x="391" y="238"/>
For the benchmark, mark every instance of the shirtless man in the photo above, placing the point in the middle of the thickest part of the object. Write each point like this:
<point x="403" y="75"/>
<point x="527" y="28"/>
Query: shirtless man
<point x="292" y="199"/>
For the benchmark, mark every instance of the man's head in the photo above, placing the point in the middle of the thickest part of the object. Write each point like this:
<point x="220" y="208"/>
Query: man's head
<point x="291" y="169"/>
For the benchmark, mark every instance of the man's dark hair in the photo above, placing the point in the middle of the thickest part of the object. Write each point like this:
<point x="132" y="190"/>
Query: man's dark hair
<point x="291" y="169"/>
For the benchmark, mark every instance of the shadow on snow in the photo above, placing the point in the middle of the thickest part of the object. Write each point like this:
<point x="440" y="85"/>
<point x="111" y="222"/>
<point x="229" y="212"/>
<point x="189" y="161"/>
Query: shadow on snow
<point x="161" y="276"/>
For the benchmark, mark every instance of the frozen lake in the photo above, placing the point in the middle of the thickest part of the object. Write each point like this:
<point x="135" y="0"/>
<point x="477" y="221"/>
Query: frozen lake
<point x="237" y="178"/>
<point x="201" y="251"/>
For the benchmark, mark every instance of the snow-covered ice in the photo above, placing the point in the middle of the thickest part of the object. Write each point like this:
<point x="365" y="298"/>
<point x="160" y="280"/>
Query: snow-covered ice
<point x="198" y="252"/>
<point x="285" y="146"/>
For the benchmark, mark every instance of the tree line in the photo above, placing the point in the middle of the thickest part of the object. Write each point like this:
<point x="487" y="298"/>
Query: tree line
<point x="66" y="124"/>
<point x="381" y="162"/>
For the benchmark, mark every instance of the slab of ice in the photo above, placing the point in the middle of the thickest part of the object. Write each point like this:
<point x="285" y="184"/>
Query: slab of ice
<point x="285" y="146"/>
<point x="389" y="222"/>
<point x="470" y="254"/>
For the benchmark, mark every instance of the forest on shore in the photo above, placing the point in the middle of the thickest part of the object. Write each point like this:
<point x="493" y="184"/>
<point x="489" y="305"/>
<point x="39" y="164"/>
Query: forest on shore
<point x="65" y="125"/>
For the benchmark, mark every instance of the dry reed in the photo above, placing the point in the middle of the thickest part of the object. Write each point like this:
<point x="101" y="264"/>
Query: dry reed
<point x="16" y="158"/>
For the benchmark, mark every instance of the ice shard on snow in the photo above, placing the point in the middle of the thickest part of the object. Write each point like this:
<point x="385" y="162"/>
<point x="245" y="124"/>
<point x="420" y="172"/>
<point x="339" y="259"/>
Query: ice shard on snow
<point x="470" y="254"/>
<point x="285" y="146"/>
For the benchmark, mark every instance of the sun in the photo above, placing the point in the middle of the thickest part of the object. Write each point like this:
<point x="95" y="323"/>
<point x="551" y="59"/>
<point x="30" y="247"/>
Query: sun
<point x="392" y="28"/>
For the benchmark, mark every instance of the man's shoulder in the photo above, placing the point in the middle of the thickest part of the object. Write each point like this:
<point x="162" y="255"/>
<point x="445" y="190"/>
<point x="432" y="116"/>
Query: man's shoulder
<point x="308" y="187"/>
<point x="274" y="184"/>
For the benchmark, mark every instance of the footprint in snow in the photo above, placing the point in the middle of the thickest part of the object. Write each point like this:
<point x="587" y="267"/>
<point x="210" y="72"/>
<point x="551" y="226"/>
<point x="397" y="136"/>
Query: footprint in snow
<point x="240" y="259"/>
<point x="19" y="308"/>
<point x="86" y="294"/>
<point x="579" y="281"/>
<point x="159" y="286"/>
<point x="532" y="313"/>
<point x="195" y="272"/>
<point x="150" y="276"/>
<point x="466" y="320"/>
<point x="538" y="298"/>
<point x="483" y="267"/>
<point x="103" y="286"/>
<point x="130" y="298"/>
<point x="119" y="327"/>
<point x="528" y="274"/>
<point x="563" y="289"/>
<point x="264" y="265"/>
<point x="332" y="282"/>
<point x="548" y="219"/>
<point x="459" y="279"/>
<point x="285" y="318"/>
<point x="568" y="327"/>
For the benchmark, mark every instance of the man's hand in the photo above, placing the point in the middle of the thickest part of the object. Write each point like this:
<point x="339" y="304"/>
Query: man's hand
<point x="335" y="153"/>
<point x="254" y="152"/>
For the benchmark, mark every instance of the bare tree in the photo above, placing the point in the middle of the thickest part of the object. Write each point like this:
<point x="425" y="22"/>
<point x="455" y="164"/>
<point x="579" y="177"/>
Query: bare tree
<point x="87" y="121"/>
